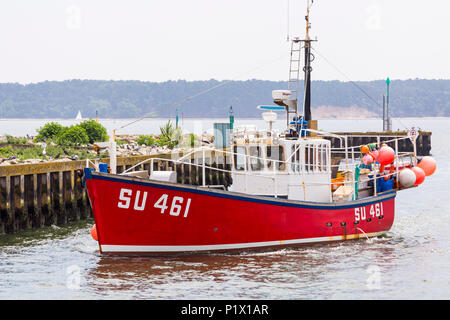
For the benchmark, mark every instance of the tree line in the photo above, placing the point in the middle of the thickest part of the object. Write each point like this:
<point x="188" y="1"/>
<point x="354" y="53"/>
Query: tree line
<point x="131" y="99"/>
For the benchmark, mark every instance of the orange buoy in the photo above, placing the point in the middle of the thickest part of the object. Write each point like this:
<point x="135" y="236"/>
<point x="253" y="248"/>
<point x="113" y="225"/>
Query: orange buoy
<point x="94" y="233"/>
<point x="386" y="155"/>
<point x="428" y="165"/>
<point x="420" y="175"/>
<point x="364" y="149"/>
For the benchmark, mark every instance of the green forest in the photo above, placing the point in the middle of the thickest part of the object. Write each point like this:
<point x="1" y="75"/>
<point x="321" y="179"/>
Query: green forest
<point x="131" y="99"/>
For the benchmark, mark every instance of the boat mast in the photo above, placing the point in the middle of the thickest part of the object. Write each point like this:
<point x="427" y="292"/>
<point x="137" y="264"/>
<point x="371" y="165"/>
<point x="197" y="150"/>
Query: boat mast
<point x="289" y="99"/>
<point x="307" y="69"/>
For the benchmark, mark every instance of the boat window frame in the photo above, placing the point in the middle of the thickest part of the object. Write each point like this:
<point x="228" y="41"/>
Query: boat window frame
<point x="243" y="155"/>
<point x="296" y="165"/>
<point x="280" y="162"/>
<point x="310" y="157"/>
<point x="324" y="156"/>
<point x="293" y="160"/>
<point x="319" y="157"/>
<point x="258" y="158"/>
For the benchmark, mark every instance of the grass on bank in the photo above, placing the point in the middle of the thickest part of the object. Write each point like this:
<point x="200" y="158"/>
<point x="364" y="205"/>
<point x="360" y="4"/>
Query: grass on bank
<point x="51" y="152"/>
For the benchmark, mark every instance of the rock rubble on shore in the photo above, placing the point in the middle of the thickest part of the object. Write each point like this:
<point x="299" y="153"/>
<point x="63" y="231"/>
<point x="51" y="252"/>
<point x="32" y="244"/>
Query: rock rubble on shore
<point x="126" y="146"/>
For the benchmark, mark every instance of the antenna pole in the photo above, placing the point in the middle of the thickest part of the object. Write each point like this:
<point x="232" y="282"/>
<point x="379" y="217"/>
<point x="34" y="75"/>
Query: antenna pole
<point x="308" y="25"/>
<point x="389" y="124"/>
<point x="307" y="69"/>
<point x="287" y="22"/>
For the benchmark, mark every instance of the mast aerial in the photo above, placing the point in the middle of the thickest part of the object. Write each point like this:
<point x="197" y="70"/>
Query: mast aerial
<point x="307" y="69"/>
<point x="289" y="98"/>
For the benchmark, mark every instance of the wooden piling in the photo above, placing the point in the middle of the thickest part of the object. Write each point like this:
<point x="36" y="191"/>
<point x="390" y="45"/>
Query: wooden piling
<point x="15" y="203"/>
<point x="55" y="201"/>
<point x="44" y="194"/>
<point x="28" y="205"/>
<point x="3" y="205"/>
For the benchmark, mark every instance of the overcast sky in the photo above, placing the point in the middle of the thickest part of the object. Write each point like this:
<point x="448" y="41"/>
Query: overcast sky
<point x="163" y="40"/>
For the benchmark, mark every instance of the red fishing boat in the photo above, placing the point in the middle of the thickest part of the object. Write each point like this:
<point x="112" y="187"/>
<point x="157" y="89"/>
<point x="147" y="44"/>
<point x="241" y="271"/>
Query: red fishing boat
<point x="136" y="216"/>
<point x="288" y="188"/>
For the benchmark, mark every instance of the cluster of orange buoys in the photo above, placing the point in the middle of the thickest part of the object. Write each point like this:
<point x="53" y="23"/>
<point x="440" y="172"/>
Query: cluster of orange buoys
<point x="408" y="177"/>
<point x="416" y="175"/>
<point x="384" y="156"/>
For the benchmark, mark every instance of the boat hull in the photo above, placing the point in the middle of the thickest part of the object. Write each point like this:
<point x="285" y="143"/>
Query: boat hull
<point x="137" y="216"/>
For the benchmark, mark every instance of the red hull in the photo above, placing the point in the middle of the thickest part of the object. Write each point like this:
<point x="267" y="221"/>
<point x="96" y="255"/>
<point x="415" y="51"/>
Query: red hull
<point x="140" y="216"/>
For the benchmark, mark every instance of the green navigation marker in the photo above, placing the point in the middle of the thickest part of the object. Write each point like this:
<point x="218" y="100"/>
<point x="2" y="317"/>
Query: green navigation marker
<point x="388" y="82"/>
<point x="389" y="124"/>
<point x="231" y="117"/>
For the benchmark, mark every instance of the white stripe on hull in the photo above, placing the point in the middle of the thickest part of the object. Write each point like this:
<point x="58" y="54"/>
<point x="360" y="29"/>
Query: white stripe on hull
<point x="232" y="246"/>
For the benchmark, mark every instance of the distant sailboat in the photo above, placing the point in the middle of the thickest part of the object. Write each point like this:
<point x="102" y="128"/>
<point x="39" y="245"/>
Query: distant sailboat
<point x="79" y="118"/>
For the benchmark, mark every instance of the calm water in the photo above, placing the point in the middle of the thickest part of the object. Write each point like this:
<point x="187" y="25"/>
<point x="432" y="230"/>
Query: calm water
<point x="411" y="262"/>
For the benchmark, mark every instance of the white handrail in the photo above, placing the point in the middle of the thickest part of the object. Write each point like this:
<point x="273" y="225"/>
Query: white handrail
<point x="246" y="172"/>
<point x="203" y="149"/>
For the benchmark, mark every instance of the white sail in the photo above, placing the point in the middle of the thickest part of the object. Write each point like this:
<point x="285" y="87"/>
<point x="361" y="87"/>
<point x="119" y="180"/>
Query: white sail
<point x="79" y="116"/>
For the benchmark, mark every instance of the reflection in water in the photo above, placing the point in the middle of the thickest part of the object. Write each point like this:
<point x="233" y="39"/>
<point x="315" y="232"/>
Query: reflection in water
<point x="37" y="261"/>
<point x="245" y="275"/>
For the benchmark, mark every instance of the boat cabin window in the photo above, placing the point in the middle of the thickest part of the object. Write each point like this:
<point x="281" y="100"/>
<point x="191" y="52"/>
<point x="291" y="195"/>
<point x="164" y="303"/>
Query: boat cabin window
<point x="309" y="158"/>
<point x="275" y="153"/>
<point x="255" y="153"/>
<point x="295" y="159"/>
<point x="316" y="158"/>
<point x="323" y="158"/>
<point x="239" y="158"/>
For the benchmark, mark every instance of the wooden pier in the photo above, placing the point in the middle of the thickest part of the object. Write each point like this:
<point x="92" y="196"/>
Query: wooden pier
<point x="36" y="195"/>
<point x="423" y="142"/>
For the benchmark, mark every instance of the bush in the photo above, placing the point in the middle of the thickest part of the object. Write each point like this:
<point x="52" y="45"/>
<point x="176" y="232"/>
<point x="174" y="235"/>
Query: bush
<point x="148" y="140"/>
<point x="88" y="131"/>
<point x="50" y="131"/>
<point x="73" y="135"/>
<point x="95" y="131"/>
<point x="169" y="136"/>
<point x="6" y="152"/>
<point x="16" y="140"/>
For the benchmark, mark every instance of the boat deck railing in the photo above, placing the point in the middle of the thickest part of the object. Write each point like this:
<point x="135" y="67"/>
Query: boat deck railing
<point x="349" y="153"/>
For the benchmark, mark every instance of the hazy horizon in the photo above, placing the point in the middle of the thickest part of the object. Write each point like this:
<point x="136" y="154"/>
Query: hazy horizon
<point x="159" y="41"/>
<point x="213" y="79"/>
